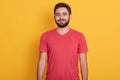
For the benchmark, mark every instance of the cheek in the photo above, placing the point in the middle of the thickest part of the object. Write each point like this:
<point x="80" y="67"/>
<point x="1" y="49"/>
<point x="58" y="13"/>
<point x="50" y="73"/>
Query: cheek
<point x="57" y="18"/>
<point x="67" y="17"/>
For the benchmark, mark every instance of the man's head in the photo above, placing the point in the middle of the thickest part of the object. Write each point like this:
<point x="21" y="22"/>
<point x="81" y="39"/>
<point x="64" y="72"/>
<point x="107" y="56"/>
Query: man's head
<point x="62" y="13"/>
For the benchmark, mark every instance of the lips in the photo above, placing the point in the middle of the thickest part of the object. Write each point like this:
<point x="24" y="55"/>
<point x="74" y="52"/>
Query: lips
<point x="61" y="20"/>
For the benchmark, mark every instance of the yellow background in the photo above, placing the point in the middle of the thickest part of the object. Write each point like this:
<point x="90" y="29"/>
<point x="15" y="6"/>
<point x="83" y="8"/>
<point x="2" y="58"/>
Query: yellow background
<point x="23" y="21"/>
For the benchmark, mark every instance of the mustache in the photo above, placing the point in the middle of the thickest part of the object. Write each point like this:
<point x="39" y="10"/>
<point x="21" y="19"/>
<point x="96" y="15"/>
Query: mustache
<point x="61" y="19"/>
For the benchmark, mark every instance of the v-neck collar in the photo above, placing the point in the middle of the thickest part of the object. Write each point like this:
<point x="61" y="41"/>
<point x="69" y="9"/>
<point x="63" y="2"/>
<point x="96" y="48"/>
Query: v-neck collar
<point x="63" y="34"/>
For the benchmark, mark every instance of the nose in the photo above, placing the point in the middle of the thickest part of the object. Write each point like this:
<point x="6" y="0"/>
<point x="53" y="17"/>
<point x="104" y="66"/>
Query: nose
<point x="61" y="16"/>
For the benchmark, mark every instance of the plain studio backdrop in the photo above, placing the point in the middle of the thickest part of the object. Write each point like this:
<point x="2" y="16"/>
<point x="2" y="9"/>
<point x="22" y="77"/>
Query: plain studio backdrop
<point x="23" y="21"/>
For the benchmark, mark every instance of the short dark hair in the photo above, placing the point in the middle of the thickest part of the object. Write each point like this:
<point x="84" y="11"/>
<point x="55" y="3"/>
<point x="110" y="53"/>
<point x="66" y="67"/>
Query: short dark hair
<point x="61" y="4"/>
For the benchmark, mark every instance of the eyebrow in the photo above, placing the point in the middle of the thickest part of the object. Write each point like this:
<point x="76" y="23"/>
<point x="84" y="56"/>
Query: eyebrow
<point x="59" y="13"/>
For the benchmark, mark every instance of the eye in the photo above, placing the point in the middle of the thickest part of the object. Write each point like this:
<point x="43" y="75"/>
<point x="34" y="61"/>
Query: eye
<point x="64" y="14"/>
<point x="57" y="14"/>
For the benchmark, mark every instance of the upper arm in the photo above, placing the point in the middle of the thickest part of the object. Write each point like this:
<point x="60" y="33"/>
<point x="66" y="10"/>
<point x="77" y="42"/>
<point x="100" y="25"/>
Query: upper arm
<point x="43" y="44"/>
<point x="43" y="48"/>
<point x="83" y="58"/>
<point x="82" y="45"/>
<point x="43" y="56"/>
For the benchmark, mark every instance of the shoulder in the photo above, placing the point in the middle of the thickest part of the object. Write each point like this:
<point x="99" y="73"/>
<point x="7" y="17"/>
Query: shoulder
<point x="77" y="33"/>
<point x="47" y="33"/>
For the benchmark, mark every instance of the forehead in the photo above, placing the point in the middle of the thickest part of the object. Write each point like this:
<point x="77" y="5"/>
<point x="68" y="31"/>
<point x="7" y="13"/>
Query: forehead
<point x="61" y="9"/>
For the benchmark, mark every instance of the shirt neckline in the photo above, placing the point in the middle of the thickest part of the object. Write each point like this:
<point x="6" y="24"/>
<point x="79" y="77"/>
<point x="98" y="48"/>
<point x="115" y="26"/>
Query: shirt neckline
<point x="64" y="34"/>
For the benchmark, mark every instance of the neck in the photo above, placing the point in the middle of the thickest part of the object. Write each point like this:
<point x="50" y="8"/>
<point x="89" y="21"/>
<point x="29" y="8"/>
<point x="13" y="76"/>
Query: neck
<point x="63" y="30"/>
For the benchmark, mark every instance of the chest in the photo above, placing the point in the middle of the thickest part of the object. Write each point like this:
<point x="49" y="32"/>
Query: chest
<point x="64" y="43"/>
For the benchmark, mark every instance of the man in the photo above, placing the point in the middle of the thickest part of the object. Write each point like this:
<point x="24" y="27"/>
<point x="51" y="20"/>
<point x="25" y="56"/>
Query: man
<point x="61" y="48"/>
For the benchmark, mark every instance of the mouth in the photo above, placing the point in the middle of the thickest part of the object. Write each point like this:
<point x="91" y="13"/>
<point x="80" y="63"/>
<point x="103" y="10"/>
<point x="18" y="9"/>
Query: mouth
<point x="62" y="21"/>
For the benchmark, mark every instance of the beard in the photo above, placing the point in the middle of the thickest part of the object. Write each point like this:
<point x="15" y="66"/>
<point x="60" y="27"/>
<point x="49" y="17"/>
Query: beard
<point x="62" y="25"/>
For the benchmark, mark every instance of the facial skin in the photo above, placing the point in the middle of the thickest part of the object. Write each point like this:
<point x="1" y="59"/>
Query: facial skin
<point x="62" y="17"/>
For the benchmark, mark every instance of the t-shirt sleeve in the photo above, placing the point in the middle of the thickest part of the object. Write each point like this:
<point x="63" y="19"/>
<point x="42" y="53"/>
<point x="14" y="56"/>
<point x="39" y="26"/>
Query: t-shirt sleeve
<point x="82" y="46"/>
<point x="43" y="43"/>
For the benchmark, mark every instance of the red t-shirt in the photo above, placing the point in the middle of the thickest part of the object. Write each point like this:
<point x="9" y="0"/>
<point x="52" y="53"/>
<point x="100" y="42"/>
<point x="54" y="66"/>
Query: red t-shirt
<point x="63" y="53"/>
